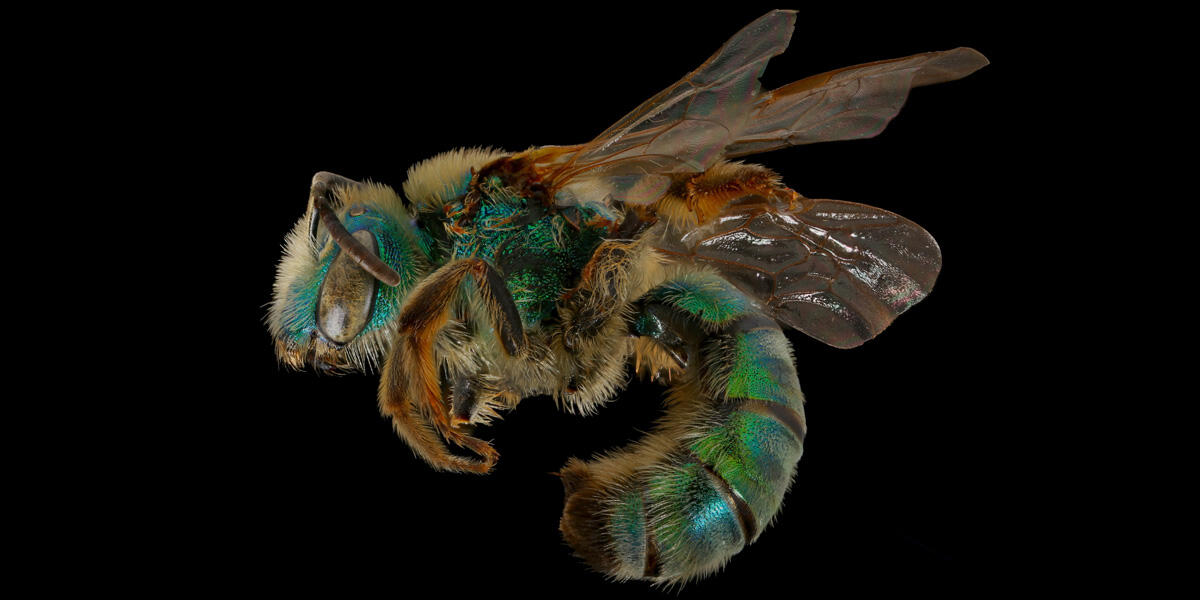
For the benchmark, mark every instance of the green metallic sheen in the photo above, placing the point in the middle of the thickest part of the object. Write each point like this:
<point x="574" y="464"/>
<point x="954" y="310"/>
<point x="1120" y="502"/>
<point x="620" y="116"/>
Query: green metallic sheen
<point x="762" y="368"/>
<point x="300" y="320"/>
<point x="747" y="448"/>
<point x="692" y="518"/>
<point x="755" y="455"/>
<point x="544" y="256"/>
<point x="706" y="296"/>
<point x="648" y="326"/>
<point x="398" y="246"/>
<point x="399" y="249"/>
<point x="627" y="526"/>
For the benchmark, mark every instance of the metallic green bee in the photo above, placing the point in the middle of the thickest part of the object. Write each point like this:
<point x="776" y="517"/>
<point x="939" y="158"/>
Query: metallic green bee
<point x="549" y="271"/>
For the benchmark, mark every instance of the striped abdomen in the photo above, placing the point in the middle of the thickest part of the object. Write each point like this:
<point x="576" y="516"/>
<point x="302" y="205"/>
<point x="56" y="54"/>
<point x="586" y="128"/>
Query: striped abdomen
<point x="710" y="477"/>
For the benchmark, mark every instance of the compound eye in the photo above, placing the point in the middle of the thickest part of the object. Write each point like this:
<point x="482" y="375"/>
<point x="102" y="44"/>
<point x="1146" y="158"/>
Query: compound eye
<point x="347" y="295"/>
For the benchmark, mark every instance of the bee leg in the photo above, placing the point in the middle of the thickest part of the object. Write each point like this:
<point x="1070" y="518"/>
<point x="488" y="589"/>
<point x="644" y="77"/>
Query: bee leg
<point x="670" y="333"/>
<point x="464" y="400"/>
<point x="603" y="290"/>
<point x="475" y="399"/>
<point x="410" y="391"/>
<point x="677" y="504"/>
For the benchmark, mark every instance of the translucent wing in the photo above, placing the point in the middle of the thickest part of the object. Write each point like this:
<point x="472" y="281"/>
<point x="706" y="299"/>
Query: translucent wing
<point x="682" y="129"/>
<point x="847" y="104"/>
<point x="838" y="271"/>
<point x="718" y="111"/>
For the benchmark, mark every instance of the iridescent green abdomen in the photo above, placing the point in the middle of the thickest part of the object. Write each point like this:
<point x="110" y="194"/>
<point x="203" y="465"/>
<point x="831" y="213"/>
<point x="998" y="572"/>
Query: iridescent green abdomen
<point x="683" y="501"/>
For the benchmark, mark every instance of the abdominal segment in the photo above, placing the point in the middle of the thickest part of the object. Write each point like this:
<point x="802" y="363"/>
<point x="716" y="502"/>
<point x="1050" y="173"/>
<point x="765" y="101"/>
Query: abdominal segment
<point x="680" y="502"/>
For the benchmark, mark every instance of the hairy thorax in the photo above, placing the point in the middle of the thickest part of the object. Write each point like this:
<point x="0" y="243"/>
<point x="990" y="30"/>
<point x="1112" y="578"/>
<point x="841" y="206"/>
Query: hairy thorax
<point x="537" y="250"/>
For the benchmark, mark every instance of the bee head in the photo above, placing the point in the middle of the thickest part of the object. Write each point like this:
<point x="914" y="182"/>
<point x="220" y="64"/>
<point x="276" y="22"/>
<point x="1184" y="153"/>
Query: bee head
<point x="346" y="267"/>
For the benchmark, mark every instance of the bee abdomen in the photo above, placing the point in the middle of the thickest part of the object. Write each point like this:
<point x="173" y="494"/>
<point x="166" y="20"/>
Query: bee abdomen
<point x="682" y="501"/>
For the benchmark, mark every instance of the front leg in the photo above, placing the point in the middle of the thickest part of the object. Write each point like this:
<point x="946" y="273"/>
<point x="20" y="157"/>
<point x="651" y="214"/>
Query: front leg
<point x="410" y="389"/>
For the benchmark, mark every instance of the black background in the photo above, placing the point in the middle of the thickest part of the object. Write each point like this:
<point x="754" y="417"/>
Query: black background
<point x="914" y="475"/>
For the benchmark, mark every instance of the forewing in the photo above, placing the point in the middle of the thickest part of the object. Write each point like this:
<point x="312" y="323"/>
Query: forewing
<point x="686" y="127"/>
<point x="718" y="111"/>
<point x="838" y="271"/>
<point x="847" y="104"/>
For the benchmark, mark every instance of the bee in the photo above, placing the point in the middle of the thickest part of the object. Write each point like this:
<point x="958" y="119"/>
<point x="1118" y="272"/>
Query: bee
<point x="562" y="270"/>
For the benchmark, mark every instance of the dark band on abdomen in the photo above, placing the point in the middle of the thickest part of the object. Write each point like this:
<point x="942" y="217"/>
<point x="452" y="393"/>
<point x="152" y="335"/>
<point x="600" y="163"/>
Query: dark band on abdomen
<point x="780" y="412"/>
<point x="744" y="514"/>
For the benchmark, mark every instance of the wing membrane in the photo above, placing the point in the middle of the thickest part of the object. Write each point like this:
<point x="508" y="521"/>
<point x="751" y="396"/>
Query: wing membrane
<point x="838" y="271"/>
<point x="695" y="118"/>
<point x="846" y="104"/>
<point x="718" y="111"/>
